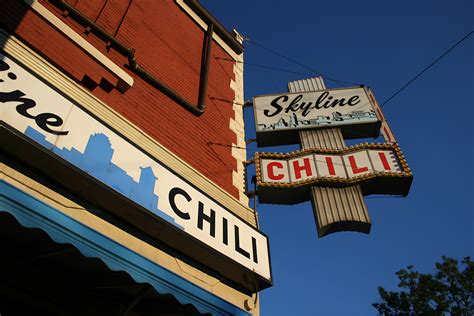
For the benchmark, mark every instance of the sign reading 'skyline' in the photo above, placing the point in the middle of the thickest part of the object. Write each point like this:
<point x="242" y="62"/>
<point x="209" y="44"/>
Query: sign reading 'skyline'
<point x="279" y="117"/>
<point x="49" y="119"/>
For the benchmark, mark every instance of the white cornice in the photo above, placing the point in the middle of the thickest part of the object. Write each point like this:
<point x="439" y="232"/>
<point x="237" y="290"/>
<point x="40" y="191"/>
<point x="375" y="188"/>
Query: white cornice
<point x="125" y="81"/>
<point x="203" y="25"/>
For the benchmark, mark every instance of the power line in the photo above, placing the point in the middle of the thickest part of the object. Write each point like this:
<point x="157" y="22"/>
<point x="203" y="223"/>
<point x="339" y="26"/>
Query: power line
<point x="337" y="81"/>
<point x="264" y="66"/>
<point x="225" y="145"/>
<point x="426" y="68"/>
<point x="334" y="80"/>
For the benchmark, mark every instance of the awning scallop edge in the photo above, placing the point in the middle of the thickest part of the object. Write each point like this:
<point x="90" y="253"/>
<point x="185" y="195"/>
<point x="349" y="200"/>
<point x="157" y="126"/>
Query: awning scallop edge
<point x="33" y="213"/>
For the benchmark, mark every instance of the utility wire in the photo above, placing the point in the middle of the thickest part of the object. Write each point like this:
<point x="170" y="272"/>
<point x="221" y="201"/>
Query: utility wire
<point x="264" y="66"/>
<point x="427" y="67"/>
<point x="225" y="145"/>
<point x="337" y="81"/>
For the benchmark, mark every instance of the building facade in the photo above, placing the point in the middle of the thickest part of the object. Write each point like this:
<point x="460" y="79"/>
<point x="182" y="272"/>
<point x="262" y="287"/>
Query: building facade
<point x="122" y="186"/>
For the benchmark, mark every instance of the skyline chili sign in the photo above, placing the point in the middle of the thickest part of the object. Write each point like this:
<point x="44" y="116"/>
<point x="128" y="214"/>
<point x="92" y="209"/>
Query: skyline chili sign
<point x="334" y="177"/>
<point x="286" y="178"/>
<point x="279" y="117"/>
<point x="65" y="130"/>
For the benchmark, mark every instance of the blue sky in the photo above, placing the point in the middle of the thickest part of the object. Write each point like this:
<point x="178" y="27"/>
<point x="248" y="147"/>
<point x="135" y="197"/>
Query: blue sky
<point x="383" y="45"/>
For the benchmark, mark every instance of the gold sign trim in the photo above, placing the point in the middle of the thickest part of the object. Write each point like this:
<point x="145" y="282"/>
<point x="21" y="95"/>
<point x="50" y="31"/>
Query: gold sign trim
<point x="405" y="173"/>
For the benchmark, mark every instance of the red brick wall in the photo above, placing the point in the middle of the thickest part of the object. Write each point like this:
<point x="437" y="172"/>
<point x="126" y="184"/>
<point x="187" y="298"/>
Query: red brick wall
<point x="168" y="44"/>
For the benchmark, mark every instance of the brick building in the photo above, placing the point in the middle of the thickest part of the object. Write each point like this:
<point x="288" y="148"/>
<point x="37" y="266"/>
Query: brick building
<point x="122" y="179"/>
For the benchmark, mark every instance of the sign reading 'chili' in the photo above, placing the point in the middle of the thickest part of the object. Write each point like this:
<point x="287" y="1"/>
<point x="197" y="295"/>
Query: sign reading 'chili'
<point x="378" y="168"/>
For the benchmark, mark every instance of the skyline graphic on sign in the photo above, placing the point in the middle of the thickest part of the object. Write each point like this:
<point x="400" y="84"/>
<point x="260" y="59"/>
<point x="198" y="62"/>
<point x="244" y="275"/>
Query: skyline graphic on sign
<point x="293" y="121"/>
<point x="96" y="160"/>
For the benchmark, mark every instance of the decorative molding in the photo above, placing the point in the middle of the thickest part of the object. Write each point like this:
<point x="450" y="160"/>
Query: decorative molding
<point x="203" y="25"/>
<point x="125" y="81"/>
<point x="237" y="125"/>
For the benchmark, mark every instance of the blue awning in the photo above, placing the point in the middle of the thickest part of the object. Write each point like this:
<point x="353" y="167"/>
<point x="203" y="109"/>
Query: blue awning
<point x="32" y="213"/>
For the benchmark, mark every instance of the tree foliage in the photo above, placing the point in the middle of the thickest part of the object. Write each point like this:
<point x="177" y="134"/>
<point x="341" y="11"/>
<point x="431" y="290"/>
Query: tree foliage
<point x="447" y="292"/>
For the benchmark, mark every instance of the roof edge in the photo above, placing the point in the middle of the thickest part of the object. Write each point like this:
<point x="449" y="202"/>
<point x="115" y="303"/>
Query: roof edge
<point x="226" y="36"/>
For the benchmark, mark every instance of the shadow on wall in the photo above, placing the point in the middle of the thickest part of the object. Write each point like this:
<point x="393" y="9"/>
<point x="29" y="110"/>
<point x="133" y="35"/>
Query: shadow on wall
<point x="12" y="13"/>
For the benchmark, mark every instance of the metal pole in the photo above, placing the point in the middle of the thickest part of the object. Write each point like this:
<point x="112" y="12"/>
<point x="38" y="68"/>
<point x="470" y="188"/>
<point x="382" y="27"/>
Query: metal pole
<point x="335" y="209"/>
